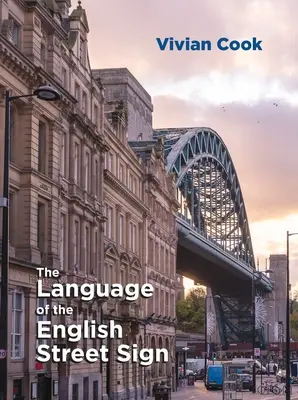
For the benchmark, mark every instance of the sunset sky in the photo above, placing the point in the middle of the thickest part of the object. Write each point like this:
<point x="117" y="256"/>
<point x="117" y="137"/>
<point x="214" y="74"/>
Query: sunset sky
<point x="190" y="89"/>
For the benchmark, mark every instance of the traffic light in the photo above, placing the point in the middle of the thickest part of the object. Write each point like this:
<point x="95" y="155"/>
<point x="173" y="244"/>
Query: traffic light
<point x="214" y="356"/>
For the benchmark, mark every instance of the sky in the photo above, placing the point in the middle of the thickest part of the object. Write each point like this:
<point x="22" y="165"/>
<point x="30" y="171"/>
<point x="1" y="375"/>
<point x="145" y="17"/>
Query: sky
<point x="234" y="93"/>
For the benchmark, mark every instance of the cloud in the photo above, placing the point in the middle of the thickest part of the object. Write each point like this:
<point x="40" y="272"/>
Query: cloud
<point x="125" y="35"/>
<point x="185" y="86"/>
<point x="262" y="140"/>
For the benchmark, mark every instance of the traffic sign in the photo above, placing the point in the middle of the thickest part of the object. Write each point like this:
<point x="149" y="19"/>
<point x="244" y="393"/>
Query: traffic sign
<point x="3" y="354"/>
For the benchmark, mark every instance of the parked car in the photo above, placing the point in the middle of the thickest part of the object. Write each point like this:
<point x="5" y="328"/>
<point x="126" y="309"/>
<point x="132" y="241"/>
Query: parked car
<point x="200" y="374"/>
<point x="281" y="375"/>
<point x="244" y="381"/>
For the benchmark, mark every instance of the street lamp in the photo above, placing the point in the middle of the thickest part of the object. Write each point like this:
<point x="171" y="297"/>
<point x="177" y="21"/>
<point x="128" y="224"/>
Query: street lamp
<point x="206" y="333"/>
<point x="254" y="324"/>
<point x="46" y="93"/>
<point x="288" y="339"/>
<point x="184" y="359"/>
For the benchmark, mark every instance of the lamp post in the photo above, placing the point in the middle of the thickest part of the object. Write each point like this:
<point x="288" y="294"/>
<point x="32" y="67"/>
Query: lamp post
<point x="46" y="93"/>
<point x="288" y="358"/>
<point x="253" y="292"/>
<point x="206" y="332"/>
<point x="184" y="360"/>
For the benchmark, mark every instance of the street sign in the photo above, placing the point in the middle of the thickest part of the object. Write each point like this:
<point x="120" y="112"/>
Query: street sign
<point x="3" y="354"/>
<point x="257" y="352"/>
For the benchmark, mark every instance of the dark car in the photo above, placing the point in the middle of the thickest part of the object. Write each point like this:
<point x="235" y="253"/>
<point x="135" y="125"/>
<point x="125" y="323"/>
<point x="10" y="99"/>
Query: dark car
<point x="244" y="382"/>
<point x="200" y="374"/>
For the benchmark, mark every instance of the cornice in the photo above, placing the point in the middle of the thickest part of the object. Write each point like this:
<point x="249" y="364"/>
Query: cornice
<point x="120" y="188"/>
<point x="33" y="76"/>
<point x="16" y="63"/>
<point x="88" y="128"/>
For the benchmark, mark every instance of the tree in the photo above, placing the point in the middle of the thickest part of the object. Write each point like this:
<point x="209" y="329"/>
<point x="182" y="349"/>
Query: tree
<point x="191" y="311"/>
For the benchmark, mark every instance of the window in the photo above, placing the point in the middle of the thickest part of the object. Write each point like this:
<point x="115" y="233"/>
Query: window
<point x="121" y="173"/>
<point x="87" y="249"/>
<point x="76" y="243"/>
<point x="96" y="178"/>
<point x="167" y="312"/>
<point x="62" y="240"/>
<point x="76" y="163"/>
<point x="121" y="230"/>
<point x="84" y="103"/>
<point x="96" y="244"/>
<point x="133" y="235"/>
<point x="134" y="185"/>
<point x="64" y="80"/>
<point x="173" y="306"/>
<point x="86" y="388"/>
<point x="110" y="223"/>
<point x="17" y="388"/>
<point x="43" y="53"/>
<point x="156" y="255"/>
<point x="78" y="93"/>
<point x="16" y="29"/>
<point x="167" y="262"/>
<point x="63" y="154"/>
<point x="162" y="258"/>
<point x="82" y="51"/>
<point x="17" y="325"/>
<point x="151" y="251"/>
<point x="87" y="173"/>
<point x="95" y="390"/>
<point x="122" y="277"/>
<point x="41" y="227"/>
<point x="41" y="302"/>
<point x="42" y="142"/>
<point x="110" y="162"/>
<point x="95" y="118"/>
<point x="75" y="391"/>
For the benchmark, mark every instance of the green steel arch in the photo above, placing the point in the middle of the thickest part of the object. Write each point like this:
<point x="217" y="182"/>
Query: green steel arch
<point x="209" y="191"/>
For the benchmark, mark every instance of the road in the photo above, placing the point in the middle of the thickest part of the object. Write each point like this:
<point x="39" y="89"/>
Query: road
<point x="199" y="392"/>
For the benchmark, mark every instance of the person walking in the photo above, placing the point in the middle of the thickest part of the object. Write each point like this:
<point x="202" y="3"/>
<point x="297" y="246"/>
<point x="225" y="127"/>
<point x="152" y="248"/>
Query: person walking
<point x="274" y="369"/>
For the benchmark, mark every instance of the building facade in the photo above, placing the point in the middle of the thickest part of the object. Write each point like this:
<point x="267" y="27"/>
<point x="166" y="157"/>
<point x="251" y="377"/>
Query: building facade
<point x="140" y="246"/>
<point x="121" y="85"/>
<point x="56" y="180"/>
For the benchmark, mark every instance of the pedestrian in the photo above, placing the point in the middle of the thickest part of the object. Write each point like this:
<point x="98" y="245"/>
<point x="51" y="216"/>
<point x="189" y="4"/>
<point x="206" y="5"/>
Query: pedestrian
<point x="274" y="369"/>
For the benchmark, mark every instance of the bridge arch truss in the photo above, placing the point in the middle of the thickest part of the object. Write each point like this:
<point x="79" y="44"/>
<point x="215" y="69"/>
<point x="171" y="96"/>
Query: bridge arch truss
<point x="208" y="189"/>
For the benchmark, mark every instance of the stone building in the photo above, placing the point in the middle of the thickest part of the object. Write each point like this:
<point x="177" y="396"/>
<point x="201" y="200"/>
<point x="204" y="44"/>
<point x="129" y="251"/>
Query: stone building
<point x="121" y="85"/>
<point x="56" y="179"/>
<point x="140" y="246"/>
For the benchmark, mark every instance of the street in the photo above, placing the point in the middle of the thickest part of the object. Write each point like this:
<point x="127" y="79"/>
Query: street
<point x="198" y="391"/>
